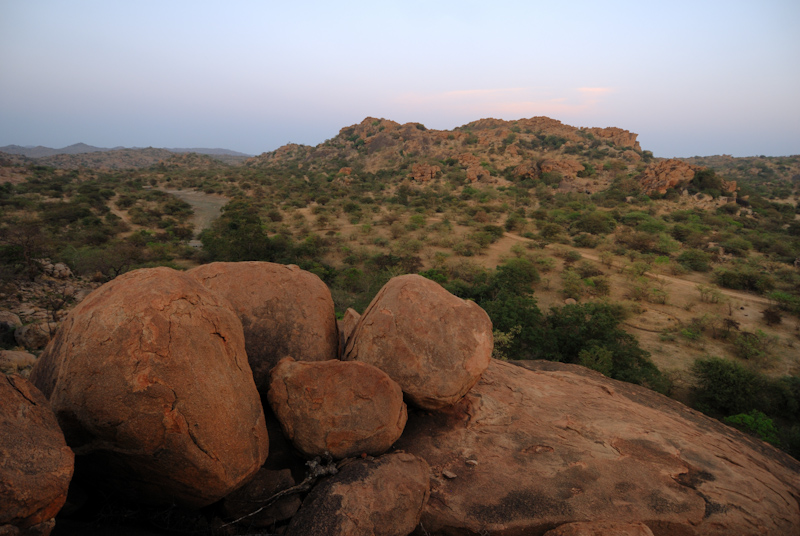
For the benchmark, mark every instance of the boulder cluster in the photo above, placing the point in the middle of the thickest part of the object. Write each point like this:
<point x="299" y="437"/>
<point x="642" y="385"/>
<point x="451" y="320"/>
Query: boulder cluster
<point x="232" y="386"/>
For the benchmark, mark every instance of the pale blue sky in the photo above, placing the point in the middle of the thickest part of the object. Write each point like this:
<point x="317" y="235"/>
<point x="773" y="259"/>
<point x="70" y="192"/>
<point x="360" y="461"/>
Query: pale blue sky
<point x="691" y="78"/>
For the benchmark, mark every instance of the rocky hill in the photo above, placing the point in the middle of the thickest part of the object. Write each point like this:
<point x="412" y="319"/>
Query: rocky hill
<point x="488" y="151"/>
<point x="156" y="397"/>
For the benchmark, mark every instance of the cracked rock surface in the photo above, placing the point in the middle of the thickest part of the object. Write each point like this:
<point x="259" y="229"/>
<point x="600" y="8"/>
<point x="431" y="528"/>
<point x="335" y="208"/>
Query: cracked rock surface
<point x="149" y="379"/>
<point x="560" y="444"/>
<point x="434" y="344"/>
<point x="343" y="408"/>
<point x="380" y="497"/>
<point x="285" y="311"/>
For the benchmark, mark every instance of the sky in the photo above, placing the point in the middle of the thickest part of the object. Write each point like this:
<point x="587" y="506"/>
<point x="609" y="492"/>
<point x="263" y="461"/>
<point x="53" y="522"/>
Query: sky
<point x="690" y="77"/>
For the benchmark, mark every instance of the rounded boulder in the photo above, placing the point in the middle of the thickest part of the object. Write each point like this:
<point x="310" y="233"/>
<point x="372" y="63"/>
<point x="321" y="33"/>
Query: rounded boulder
<point x="35" y="462"/>
<point x="149" y="379"/>
<point x="337" y="407"/>
<point x="435" y="345"/>
<point x="285" y="311"/>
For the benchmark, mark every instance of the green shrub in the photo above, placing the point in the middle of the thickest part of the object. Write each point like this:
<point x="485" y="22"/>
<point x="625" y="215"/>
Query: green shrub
<point x="757" y="424"/>
<point x="725" y="387"/>
<point x="695" y="259"/>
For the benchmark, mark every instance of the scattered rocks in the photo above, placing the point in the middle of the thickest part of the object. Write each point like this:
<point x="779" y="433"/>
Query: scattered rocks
<point x="35" y="336"/>
<point x="561" y="444"/>
<point x="382" y="497"/>
<point x="8" y="323"/>
<point x="285" y="311"/>
<point x="336" y="407"/>
<point x="425" y="172"/>
<point x="432" y="343"/>
<point x="13" y="361"/>
<point x="35" y="462"/>
<point x="567" y="168"/>
<point x="149" y="377"/>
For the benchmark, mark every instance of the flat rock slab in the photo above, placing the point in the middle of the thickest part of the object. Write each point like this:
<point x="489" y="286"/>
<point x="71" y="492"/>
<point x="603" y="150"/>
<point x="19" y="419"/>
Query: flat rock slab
<point x="526" y="451"/>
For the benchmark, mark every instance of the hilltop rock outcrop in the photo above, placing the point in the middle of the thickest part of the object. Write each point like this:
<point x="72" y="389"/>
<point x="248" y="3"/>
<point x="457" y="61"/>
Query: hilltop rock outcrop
<point x="435" y="345"/>
<point x="381" y="497"/>
<point x="529" y="450"/>
<point x="341" y="408"/>
<point x="661" y="176"/>
<point x="617" y="136"/>
<point x="35" y="462"/>
<point x="149" y="380"/>
<point x="285" y="311"/>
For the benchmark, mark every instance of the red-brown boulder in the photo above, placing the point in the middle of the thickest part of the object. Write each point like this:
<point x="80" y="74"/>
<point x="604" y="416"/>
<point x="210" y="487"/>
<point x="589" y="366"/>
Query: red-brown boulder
<point x="252" y="496"/>
<point x="601" y="528"/>
<point x="337" y="407"/>
<point x="528" y="450"/>
<point x="285" y="311"/>
<point x="35" y="462"/>
<point x="432" y="343"/>
<point x="347" y="325"/>
<point x="381" y="497"/>
<point x="148" y="376"/>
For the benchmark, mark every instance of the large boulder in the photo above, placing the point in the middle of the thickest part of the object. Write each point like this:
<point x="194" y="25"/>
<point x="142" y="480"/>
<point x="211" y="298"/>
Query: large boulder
<point x="285" y="311"/>
<point x="528" y="450"/>
<point x="35" y="462"/>
<point x="382" y="497"/>
<point x="337" y="407"/>
<point x="432" y="343"/>
<point x="149" y="377"/>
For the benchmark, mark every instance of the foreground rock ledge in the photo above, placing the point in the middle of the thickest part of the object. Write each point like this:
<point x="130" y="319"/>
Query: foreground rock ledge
<point x="526" y="451"/>
<point x="149" y="380"/>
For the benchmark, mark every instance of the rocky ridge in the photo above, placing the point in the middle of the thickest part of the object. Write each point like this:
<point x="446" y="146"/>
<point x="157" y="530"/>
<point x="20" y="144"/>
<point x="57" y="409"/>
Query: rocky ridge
<point x="556" y="449"/>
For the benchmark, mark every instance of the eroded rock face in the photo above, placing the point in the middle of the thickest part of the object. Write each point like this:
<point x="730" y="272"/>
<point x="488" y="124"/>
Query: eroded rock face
<point x="337" y="407"/>
<point x="35" y="462"/>
<point x="528" y="450"/>
<point x="424" y="172"/>
<point x="285" y="311"/>
<point x="432" y="343"/>
<point x="382" y="497"/>
<point x="149" y="376"/>
<point x="618" y="136"/>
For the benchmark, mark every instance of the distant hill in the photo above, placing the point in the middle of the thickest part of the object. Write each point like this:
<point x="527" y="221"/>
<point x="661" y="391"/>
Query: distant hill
<point x="83" y="155"/>
<point x="81" y="148"/>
